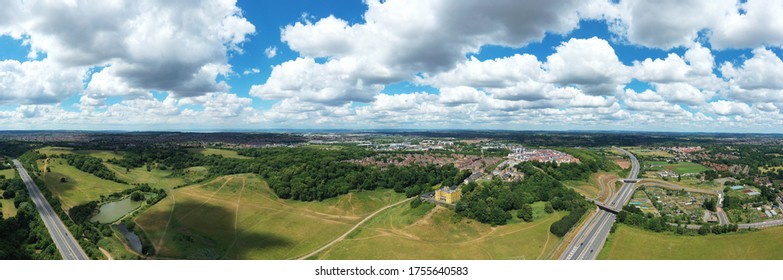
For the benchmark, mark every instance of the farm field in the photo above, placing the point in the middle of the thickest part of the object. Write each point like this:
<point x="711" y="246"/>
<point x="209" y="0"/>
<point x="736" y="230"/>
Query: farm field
<point x="79" y="187"/>
<point x="220" y="152"/>
<point x="239" y="217"/>
<point x="679" y="168"/>
<point x="430" y="232"/>
<point x="629" y="243"/>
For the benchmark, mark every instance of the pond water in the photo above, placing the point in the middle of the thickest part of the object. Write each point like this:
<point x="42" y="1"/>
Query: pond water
<point x="133" y="239"/>
<point x="113" y="211"/>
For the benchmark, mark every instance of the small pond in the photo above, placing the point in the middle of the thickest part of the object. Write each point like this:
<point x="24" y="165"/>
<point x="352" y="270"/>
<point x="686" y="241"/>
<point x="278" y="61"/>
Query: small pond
<point x="113" y="211"/>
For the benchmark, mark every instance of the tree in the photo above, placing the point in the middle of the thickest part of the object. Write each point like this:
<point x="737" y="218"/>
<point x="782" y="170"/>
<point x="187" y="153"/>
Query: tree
<point x="548" y="208"/>
<point x="704" y="230"/>
<point x="137" y="196"/>
<point x="526" y="213"/>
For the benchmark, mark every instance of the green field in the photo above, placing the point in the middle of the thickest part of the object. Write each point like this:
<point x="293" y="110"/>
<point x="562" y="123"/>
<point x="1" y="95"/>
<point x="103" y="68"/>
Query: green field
<point x="629" y="243"/>
<point x="55" y="150"/>
<point x="9" y="210"/>
<point x="679" y="168"/>
<point x="101" y="154"/>
<point x="427" y="233"/>
<point x="220" y="152"/>
<point x="640" y="152"/>
<point x="239" y="217"/>
<point x="8" y="173"/>
<point x="80" y="187"/>
<point x="158" y="178"/>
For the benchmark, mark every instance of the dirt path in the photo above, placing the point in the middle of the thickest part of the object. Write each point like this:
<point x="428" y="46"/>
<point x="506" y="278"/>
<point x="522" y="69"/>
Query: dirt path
<point x="166" y="229"/>
<point x="236" y="218"/>
<point x="208" y="199"/>
<point x="106" y="253"/>
<point x="338" y="239"/>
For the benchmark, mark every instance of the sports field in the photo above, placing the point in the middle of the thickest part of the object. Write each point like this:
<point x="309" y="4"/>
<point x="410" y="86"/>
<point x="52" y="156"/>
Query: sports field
<point x="429" y="232"/>
<point x="79" y="187"/>
<point x="629" y="243"/>
<point x="679" y="168"/>
<point x="239" y="217"/>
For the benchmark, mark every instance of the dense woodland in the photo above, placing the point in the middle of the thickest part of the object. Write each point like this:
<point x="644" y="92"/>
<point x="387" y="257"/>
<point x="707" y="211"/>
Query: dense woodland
<point x="24" y="236"/>
<point x="491" y="202"/>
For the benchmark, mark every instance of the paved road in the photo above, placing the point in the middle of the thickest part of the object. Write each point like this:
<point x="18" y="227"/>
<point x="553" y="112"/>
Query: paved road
<point x="590" y="239"/>
<point x="69" y="248"/>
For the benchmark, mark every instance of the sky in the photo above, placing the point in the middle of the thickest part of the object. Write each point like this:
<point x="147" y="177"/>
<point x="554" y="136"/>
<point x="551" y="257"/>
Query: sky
<point x="669" y="65"/>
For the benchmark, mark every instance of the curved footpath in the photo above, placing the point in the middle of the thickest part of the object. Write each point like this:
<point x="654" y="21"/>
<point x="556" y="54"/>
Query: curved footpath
<point x="338" y="239"/>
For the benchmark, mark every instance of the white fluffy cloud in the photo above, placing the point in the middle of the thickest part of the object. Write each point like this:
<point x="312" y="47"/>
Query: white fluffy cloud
<point x="37" y="82"/>
<point x="589" y="63"/>
<point x="726" y="108"/>
<point x="173" y="46"/>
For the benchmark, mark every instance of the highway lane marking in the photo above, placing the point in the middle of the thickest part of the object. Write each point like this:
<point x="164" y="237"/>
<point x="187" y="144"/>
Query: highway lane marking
<point x="64" y="241"/>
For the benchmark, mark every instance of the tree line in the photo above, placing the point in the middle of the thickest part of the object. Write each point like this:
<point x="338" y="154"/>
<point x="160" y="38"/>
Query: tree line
<point x="91" y="165"/>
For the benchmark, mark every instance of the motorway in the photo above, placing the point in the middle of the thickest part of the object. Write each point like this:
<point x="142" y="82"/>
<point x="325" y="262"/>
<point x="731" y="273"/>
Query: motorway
<point x="590" y="238"/>
<point x="67" y="245"/>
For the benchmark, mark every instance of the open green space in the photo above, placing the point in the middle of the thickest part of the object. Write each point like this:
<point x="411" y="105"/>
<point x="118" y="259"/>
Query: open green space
<point x="429" y="232"/>
<point x="73" y="186"/>
<point x="8" y="173"/>
<point x="643" y="152"/>
<point x="239" y="217"/>
<point x="629" y="243"/>
<point x="9" y="210"/>
<point x="220" y="152"/>
<point x="679" y="167"/>
<point x="155" y="177"/>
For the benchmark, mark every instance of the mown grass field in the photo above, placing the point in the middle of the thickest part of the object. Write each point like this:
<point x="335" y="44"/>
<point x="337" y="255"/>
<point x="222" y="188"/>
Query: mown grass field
<point x="679" y="168"/>
<point x="220" y="152"/>
<point x="79" y="187"/>
<point x="429" y="232"/>
<point x="8" y="173"/>
<point x="104" y="155"/>
<point x="629" y="243"/>
<point x="239" y="217"/>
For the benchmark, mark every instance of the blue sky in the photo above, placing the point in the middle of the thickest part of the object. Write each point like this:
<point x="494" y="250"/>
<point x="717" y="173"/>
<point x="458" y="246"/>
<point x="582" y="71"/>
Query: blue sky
<point x="221" y="64"/>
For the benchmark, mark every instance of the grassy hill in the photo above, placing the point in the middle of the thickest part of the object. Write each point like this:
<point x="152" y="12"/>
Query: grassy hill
<point x="79" y="187"/>
<point x="239" y="217"/>
<point x="429" y="232"/>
